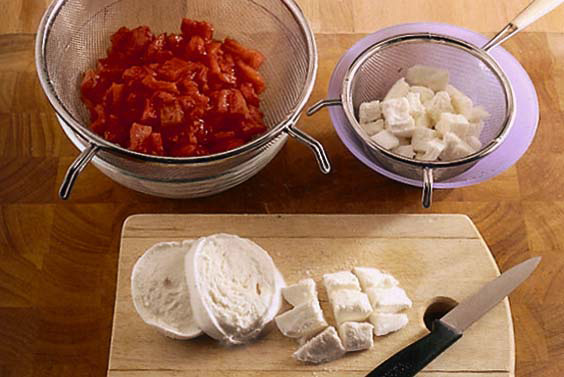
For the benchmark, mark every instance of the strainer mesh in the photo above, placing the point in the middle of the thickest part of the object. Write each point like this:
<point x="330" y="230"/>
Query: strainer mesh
<point x="80" y="34"/>
<point x="468" y="73"/>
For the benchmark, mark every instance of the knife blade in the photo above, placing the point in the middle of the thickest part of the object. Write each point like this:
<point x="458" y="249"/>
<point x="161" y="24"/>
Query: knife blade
<point x="447" y="330"/>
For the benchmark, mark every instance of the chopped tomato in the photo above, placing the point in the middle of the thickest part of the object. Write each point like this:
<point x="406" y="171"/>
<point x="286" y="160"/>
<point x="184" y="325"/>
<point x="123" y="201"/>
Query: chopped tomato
<point x="175" y="95"/>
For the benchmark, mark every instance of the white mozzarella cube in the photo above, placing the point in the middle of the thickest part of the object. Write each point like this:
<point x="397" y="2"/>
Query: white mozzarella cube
<point x="373" y="128"/>
<point x="387" y="323"/>
<point x="404" y="141"/>
<point x="453" y="91"/>
<point x="396" y="111"/>
<point x="370" y="112"/>
<point x="456" y="148"/>
<point x="423" y="121"/>
<point x="434" y="149"/>
<point x="356" y="336"/>
<point x="350" y="305"/>
<point x="302" y="321"/>
<point x="421" y="138"/>
<point x="478" y="114"/>
<point x="462" y="104"/>
<point x="323" y="348"/>
<point x="389" y="300"/>
<point x="441" y="103"/>
<point x="399" y="90"/>
<point x="302" y="292"/>
<point x="475" y="129"/>
<point x="426" y="94"/>
<point x="474" y="143"/>
<point x="419" y="156"/>
<point x="402" y="130"/>
<point x="454" y="123"/>
<point x="416" y="108"/>
<point x="373" y="277"/>
<point x="431" y="77"/>
<point x="386" y="139"/>
<point x="340" y="280"/>
<point x="405" y="151"/>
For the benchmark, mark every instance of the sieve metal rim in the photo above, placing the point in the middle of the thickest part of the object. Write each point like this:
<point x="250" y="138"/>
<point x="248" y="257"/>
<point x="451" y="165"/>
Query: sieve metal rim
<point x="349" y="79"/>
<point x="100" y="143"/>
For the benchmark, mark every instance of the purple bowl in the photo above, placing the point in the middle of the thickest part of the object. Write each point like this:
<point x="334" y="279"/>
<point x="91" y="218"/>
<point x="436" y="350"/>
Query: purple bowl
<point x="517" y="143"/>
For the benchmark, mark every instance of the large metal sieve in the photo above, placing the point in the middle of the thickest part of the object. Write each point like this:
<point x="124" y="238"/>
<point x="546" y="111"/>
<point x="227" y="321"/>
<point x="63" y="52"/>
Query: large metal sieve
<point x="75" y="33"/>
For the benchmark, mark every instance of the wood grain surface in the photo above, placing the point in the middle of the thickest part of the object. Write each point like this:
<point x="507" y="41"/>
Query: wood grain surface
<point x="433" y="257"/>
<point x="58" y="260"/>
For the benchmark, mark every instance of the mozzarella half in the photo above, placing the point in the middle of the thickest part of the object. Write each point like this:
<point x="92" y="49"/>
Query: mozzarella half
<point x="159" y="291"/>
<point x="235" y="288"/>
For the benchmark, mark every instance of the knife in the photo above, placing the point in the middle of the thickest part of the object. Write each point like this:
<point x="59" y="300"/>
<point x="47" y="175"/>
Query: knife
<point x="447" y="330"/>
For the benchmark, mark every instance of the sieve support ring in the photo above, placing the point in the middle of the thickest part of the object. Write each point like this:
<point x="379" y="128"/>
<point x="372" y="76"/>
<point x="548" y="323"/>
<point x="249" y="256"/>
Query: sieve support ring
<point x="315" y="108"/>
<point x="75" y="169"/>
<point x="316" y="147"/>
<point x="428" y="183"/>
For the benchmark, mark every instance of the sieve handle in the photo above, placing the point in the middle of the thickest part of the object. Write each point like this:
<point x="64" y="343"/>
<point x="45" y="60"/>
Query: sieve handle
<point x="428" y="183"/>
<point x="323" y="104"/>
<point x="75" y="169"/>
<point x="533" y="12"/>
<point x="314" y="145"/>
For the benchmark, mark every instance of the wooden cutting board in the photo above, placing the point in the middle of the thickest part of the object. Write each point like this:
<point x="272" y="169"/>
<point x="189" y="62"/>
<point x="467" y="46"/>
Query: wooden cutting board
<point x="432" y="256"/>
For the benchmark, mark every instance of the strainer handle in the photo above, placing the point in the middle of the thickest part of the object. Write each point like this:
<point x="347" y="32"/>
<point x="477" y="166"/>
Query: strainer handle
<point x="428" y="183"/>
<point x="314" y="145"/>
<point x="75" y="169"/>
<point x="533" y="12"/>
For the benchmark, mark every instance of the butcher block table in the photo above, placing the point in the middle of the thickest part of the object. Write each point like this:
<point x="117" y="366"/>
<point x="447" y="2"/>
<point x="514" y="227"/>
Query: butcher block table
<point x="58" y="260"/>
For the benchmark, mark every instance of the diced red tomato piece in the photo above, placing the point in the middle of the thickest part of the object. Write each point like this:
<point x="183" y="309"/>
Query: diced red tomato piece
<point x="199" y="28"/>
<point x="250" y="94"/>
<point x="153" y="84"/>
<point x="139" y="137"/>
<point x="156" y="144"/>
<point x="251" y="75"/>
<point x="249" y="56"/>
<point x="114" y="97"/>
<point x="156" y="51"/>
<point x="173" y="69"/>
<point x="172" y="114"/>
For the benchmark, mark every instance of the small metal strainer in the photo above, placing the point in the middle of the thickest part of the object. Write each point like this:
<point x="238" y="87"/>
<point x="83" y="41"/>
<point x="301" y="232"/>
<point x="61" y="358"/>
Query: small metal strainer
<point x="75" y="33"/>
<point x="472" y="70"/>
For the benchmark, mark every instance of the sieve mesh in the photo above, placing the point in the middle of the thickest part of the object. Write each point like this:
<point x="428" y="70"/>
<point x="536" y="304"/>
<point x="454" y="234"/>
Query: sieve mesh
<point x="80" y="34"/>
<point x="468" y="73"/>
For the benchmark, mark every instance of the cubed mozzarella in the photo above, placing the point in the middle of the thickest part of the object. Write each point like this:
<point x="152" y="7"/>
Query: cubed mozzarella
<point x="373" y="277"/>
<point x="402" y="130"/>
<point x="302" y="321"/>
<point x="454" y="123"/>
<point x="399" y="90"/>
<point x="386" y="139"/>
<point x="356" y="336"/>
<point x="404" y="141"/>
<point x="350" y="305"/>
<point x="456" y="148"/>
<point x="478" y="114"/>
<point x="416" y="108"/>
<point x="423" y="121"/>
<point x="475" y="129"/>
<point x="425" y="93"/>
<point x="434" y="149"/>
<point x="421" y="138"/>
<point x="474" y="143"/>
<point x="372" y="128"/>
<point x="387" y="323"/>
<point x="462" y="104"/>
<point x="388" y="300"/>
<point x="440" y="104"/>
<point x="323" y="348"/>
<point x="431" y="77"/>
<point x="340" y="280"/>
<point x="405" y="151"/>
<point x="370" y="112"/>
<point x="396" y="111"/>
<point x="300" y="293"/>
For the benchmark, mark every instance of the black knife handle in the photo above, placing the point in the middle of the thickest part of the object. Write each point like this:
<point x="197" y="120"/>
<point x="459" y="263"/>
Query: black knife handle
<point x="412" y="359"/>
